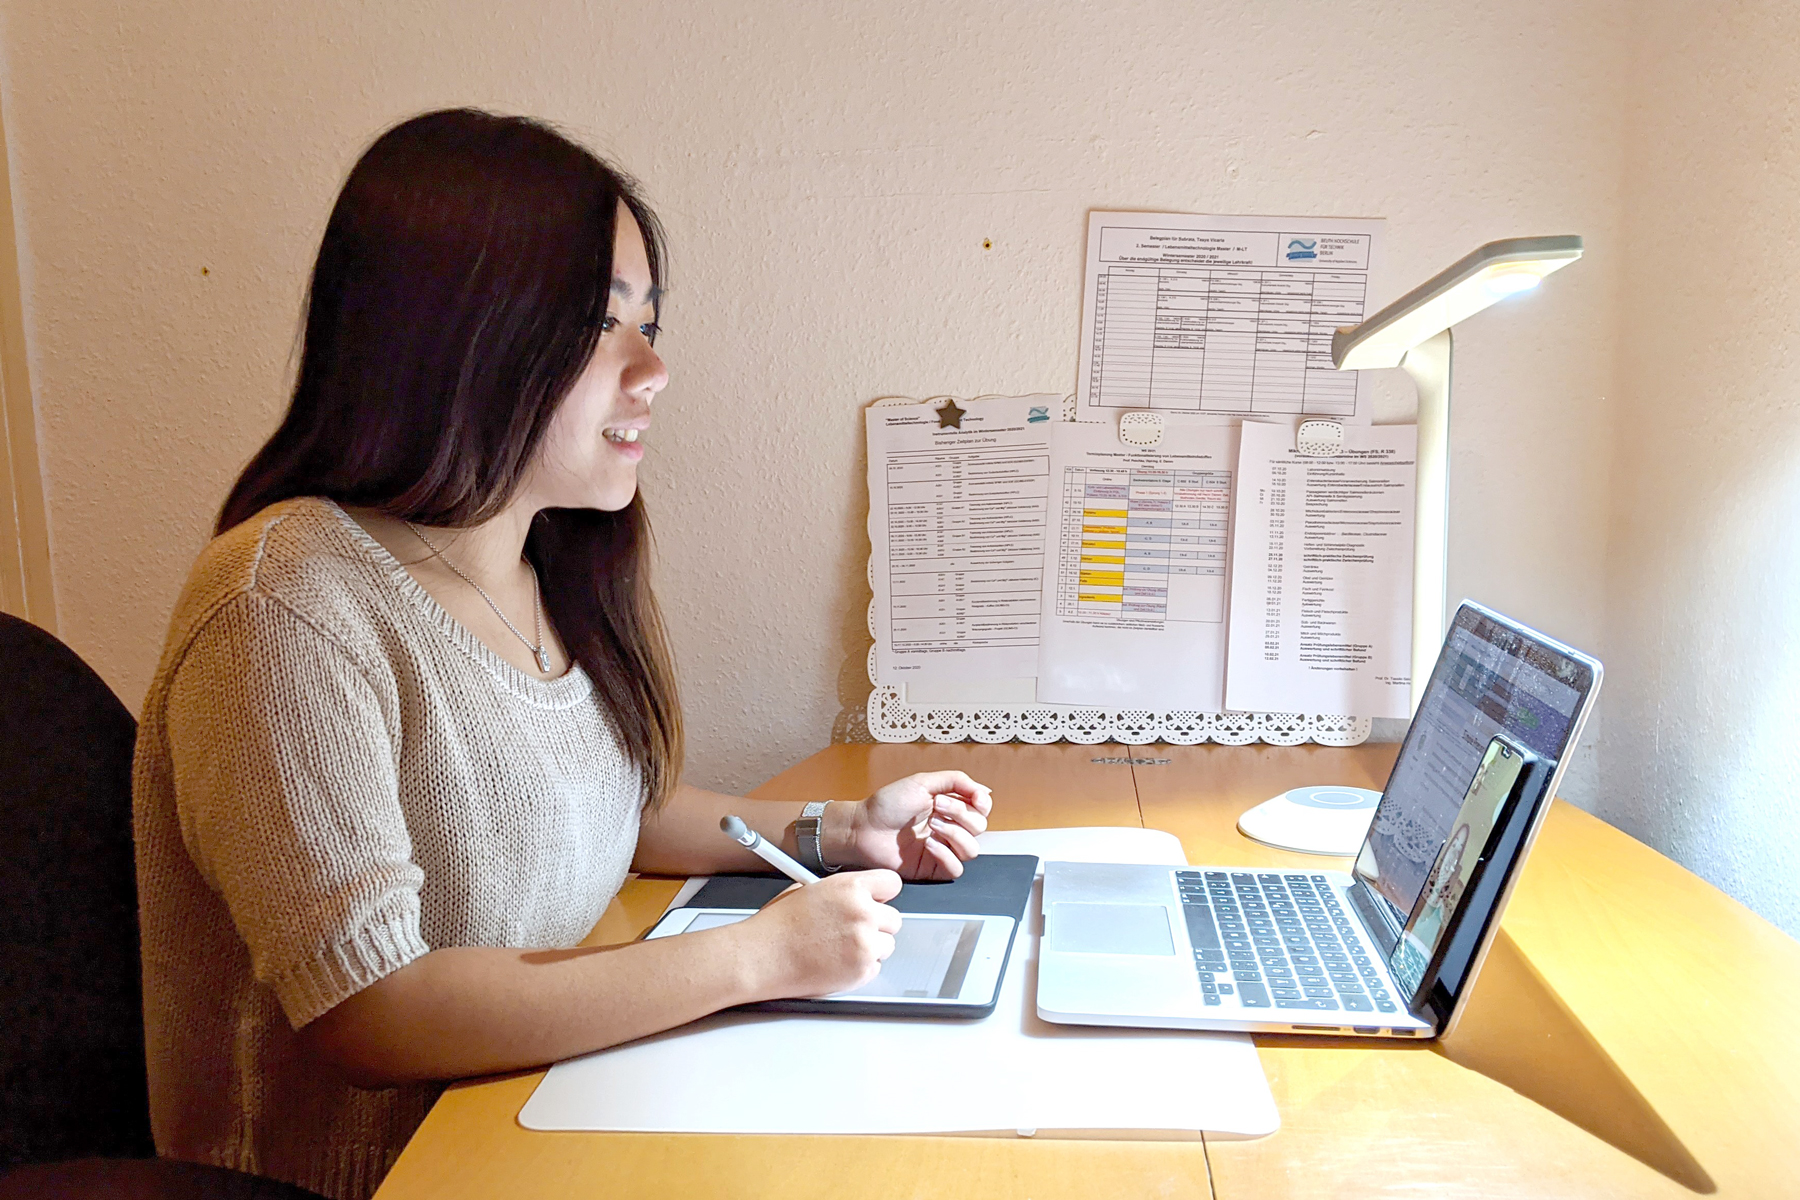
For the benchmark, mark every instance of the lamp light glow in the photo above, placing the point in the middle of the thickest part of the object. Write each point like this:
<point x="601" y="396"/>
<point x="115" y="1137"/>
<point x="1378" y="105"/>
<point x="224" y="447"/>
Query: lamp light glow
<point x="1502" y="284"/>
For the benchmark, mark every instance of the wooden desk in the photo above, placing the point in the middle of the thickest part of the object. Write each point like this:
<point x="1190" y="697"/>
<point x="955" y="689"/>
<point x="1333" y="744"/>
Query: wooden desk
<point x="1685" y="1057"/>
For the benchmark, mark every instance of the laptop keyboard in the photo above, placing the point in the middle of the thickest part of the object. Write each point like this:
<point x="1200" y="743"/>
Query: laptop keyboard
<point x="1278" y="939"/>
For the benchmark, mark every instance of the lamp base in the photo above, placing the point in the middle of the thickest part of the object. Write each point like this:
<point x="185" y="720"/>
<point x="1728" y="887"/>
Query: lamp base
<point x="1313" y="820"/>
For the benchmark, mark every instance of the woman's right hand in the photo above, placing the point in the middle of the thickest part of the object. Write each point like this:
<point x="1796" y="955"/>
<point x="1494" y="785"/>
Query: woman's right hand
<point x="829" y="936"/>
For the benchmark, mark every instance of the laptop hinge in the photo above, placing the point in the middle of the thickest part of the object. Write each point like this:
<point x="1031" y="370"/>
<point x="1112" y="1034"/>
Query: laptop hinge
<point x="1375" y="918"/>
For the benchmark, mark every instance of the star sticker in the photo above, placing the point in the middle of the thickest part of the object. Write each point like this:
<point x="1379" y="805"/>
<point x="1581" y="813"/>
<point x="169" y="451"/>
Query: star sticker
<point x="950" y="416"/>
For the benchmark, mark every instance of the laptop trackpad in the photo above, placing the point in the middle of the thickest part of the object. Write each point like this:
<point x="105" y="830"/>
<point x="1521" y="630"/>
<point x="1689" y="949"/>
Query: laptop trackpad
<point x="1109" y="929"/>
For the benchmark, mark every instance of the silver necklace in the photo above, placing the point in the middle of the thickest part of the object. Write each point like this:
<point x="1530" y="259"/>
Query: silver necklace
<point x="538" y="651"/>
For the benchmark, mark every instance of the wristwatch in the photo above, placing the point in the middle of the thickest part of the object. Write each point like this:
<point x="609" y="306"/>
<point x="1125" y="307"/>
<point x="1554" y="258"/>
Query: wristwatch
<point x="809" y="832"/>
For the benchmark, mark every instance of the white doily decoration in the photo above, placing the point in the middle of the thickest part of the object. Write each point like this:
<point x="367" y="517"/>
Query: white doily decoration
<point x="892" y="719"/>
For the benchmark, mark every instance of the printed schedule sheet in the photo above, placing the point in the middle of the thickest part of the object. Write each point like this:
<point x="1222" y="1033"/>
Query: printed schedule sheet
<point x="957" y="495"/>
<point x="1223" y="316"/>
<point x="1321" y="602"/>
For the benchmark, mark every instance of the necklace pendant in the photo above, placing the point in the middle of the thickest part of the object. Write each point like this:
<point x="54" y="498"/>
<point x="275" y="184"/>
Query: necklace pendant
<point x="543" y="658"/>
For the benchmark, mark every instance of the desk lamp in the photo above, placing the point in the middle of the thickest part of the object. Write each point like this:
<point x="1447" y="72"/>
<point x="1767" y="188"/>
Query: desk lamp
<point x="1412" y="333"/>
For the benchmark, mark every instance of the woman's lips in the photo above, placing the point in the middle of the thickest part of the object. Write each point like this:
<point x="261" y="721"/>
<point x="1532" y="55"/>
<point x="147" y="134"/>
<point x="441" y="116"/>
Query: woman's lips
<point x="625" y="441"/>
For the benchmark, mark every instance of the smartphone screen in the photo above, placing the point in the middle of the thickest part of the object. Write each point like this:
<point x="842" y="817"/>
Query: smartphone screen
<point x="1458" y="862"/>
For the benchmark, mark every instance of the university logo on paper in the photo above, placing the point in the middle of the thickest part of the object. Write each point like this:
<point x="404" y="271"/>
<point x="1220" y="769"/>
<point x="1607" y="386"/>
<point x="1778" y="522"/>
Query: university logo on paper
<point x="1302" y="249"/>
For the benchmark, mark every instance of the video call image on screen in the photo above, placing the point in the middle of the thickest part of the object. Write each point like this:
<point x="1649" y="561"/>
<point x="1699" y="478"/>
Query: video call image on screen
<point x="1492" y="683"/>
<point x="1456" y="863"/>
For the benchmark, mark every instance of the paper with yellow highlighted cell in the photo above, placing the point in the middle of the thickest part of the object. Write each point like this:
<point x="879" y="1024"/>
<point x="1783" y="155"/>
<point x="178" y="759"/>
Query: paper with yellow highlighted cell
<point x="1137" y="586"/>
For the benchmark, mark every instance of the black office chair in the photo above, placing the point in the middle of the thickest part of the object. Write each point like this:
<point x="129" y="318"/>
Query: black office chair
<point x="74" y="1103"/>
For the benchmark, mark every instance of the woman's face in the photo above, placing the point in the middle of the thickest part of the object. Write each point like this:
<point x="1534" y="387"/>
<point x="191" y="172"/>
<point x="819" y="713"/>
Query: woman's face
<point x="590" y="453"/>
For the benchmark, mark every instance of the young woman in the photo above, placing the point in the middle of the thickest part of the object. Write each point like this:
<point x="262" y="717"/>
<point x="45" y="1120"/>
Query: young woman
<point x="416" y="716"/>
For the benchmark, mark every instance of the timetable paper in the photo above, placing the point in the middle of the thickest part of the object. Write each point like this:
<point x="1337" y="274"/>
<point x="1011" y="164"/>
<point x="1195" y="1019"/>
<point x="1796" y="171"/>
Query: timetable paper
<point x="1322" y="596"/>
<point x="957" y="492"/>
<point x="1225" y="317"/>
<point x="1135" y="600"/>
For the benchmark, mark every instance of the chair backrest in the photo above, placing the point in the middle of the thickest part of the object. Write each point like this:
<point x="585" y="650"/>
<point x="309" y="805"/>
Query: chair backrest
<point x="72" y="1078"/>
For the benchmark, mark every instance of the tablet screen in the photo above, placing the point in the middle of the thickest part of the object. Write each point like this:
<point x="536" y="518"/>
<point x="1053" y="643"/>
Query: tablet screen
<point x="930" y="961"/>
<point x="931" y="958"/>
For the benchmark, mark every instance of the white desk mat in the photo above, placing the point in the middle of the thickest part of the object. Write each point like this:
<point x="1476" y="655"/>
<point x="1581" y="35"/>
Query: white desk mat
<point x="1008" y="1074"/>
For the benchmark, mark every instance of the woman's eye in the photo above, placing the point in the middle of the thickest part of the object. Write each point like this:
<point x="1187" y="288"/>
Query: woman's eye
<point x="649" y="328"/>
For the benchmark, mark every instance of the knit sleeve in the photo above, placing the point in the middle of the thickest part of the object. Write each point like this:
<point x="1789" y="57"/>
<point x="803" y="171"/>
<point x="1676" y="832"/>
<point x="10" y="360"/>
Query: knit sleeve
<point x="287" y="792"/>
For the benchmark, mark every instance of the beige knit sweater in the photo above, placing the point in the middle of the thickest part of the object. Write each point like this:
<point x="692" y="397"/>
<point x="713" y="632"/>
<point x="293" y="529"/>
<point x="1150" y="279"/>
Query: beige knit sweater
<point x="334" y="777"/>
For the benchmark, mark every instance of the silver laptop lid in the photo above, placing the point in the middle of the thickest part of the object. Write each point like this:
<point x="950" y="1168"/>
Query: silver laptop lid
<point x="1496" y="683"/>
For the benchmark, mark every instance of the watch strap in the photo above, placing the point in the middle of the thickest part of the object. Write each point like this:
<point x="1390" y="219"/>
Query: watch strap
<point x="809" y="835"/>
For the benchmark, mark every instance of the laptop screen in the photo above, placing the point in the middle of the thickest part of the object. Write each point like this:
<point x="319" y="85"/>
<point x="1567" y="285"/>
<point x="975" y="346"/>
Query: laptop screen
<point x="1492" y="678"/>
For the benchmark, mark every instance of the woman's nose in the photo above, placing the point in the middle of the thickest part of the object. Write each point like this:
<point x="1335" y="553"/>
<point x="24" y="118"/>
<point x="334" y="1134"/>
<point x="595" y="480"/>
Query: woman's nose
<point x="647" y="374"/>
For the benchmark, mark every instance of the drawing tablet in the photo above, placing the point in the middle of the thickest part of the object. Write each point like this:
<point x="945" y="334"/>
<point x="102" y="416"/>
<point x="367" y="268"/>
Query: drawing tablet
<point x="949" y="957"/>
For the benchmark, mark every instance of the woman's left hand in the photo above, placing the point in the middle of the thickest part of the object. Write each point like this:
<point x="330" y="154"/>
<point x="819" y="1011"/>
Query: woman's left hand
<point x="923" y="826"/>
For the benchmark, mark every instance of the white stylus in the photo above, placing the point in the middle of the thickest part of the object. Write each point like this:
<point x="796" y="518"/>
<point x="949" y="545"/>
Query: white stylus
<point x="749" y="839"/>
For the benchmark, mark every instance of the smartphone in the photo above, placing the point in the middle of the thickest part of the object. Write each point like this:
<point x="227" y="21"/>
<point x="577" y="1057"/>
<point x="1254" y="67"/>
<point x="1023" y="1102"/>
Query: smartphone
<point x="1484" y="814"/>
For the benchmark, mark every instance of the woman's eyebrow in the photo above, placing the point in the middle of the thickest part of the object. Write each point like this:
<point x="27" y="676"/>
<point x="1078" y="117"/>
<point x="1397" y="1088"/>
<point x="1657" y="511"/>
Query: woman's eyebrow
<point x="622" y="289"/>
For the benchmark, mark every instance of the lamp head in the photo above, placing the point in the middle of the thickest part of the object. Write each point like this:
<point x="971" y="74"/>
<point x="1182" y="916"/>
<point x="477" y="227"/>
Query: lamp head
<point x="1494" y="272"/>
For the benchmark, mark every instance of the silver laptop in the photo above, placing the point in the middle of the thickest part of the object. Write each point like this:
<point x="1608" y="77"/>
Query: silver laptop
<point x="1390" y="949"/>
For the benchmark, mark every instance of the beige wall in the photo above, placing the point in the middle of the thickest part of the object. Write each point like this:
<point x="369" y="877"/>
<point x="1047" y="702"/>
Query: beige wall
<point x="828" y="173"/>
<point x="1703" y="626"/>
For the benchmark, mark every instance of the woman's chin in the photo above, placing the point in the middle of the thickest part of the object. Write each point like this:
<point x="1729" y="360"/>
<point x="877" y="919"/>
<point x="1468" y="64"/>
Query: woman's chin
<point x="572" y="486"/>
<point x="615" y="498"/>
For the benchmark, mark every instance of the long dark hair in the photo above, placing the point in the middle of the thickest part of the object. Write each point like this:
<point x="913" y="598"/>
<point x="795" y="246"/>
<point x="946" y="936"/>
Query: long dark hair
<point x="459" y="292"/>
